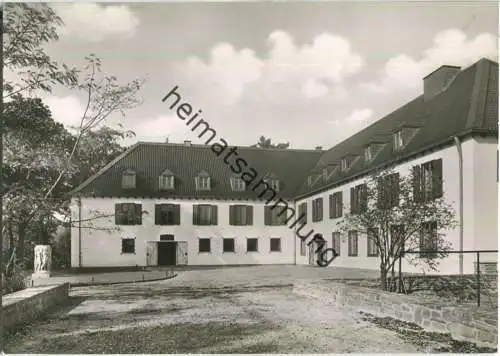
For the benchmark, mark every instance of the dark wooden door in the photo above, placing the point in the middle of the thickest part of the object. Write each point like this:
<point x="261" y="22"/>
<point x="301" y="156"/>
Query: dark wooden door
<point x="167" y="253"/>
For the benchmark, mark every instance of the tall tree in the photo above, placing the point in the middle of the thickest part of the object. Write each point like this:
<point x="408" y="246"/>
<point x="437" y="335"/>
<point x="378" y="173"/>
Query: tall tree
<point x="399" y="213"/>
<point x="267" y="143"/>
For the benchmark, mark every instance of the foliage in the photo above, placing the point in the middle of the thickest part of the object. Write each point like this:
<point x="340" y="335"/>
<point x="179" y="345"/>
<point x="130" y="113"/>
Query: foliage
<point x="395" y="222"/>
<point x="266" y="143"/>
<point x="42" y="160"/>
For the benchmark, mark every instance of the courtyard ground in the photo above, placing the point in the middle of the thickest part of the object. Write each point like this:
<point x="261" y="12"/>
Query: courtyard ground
<point x="232" y="310"/>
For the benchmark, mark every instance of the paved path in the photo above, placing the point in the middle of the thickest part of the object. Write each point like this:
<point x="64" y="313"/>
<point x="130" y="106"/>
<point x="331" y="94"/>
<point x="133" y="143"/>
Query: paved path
<point x="233" y="310"/>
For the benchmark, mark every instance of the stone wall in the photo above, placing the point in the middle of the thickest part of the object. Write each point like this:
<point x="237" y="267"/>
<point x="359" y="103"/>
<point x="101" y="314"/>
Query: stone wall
<point x="30" y="303"/>
<point x="467" y="323"/>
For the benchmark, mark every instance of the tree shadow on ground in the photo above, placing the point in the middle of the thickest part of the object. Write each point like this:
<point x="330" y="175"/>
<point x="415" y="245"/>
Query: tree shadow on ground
<point x="180" y="338"/>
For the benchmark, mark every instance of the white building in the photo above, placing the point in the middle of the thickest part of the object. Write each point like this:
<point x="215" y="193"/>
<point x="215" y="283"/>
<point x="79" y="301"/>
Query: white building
<point x="212" y="217"/>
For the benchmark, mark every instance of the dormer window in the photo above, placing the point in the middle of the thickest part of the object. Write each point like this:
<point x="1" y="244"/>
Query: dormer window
<point x="237" y="184"/>
<point x="166" y="180"/>
<point x="402" y="137"/>
<point x="128" y="179"/>
<point x="273" y="183"/>
<point x="368" y="153"/>
<point x="202" y="181"/>
<point x="345" y="164"/>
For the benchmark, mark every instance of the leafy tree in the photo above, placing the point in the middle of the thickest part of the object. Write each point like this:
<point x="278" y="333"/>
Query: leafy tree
<point x="394" y="211"/>
<point x="266" y="143"/>
<point x="44" y="161"/>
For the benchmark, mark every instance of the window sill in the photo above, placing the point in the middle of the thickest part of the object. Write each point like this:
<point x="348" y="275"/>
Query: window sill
<point x="275" y="251"/>
<point x="352" y="255"/>
<point x="127" y="253"/>
<point x="372" y="256"/>
<point x="228" y="252"/>
<point x="204" y="252"/>
<point x="252" y="252"/>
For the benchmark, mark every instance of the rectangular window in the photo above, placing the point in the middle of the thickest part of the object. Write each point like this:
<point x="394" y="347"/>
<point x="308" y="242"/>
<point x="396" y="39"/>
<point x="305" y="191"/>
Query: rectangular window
<point x="303" y="212"/>
<point x="252" y="245"/>
<point x="273" y="183"/>
<point x="388" y="191"/>
<point x="202" y="183"/>
<point x="428" y="239"/>
<point x="166" y="182"/>
<point x="240" y="215"/>
<point x="359" y="199"/>
<point x="336" y="205"/>
<point x="275" y="244"/>
<point x="336" y="241"/>
<point x="204" y="214"/>
<point x="128" y="214"/>
<point x="128" y="245"/>
<point x="372" y="249"/>
<point x="353" y="243"/>
<point x="428" y="181"/>
<point x="368" y="154"/>
<point x="203" y="245"/>
<point x="275" y="217"/>
<point x="317" y="209"/>
<point x="167" y="214"/>
<point x="128" y="180"/>
<point x="345" y="164"/>
<point x="398" y="140"/>
<point x="228" y="245"/>
<point x="237" y="184"/>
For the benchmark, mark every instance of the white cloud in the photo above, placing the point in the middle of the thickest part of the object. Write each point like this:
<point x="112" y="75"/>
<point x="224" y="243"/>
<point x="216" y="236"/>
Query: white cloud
<point x="449" y="47"/>
<point x="359" y="116"/>
<point x="67" y="110"/>
<point x="94" y="22"/>
<point x="311" y="71"/>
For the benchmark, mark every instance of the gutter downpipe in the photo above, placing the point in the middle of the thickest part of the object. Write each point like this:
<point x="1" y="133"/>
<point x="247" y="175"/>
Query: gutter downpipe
<point x="458" y="144"/>
<point x="79" y="202"/>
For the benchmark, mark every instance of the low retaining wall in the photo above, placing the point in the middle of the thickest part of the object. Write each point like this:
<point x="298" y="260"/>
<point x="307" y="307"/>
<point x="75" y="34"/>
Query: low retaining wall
<point x="464" y="323"/>
<point x="28" y="304"/>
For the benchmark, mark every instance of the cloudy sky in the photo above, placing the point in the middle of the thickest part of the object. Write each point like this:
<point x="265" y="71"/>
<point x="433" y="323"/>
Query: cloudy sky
<point x="306" y="73"/>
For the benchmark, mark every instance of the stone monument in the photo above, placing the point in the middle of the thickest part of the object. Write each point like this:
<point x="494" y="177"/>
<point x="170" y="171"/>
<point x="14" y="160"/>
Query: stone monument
<point x="43" y="259"/>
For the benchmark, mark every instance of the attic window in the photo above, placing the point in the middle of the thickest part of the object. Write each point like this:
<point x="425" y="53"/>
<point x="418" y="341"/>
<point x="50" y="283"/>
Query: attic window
<point x="237" y="184"/>
<point x="202" y="181"/>
<point x="345" y="164"/>
<point x="166" y="180"/>
<point x="273" y="183"/>
<point x="368" y="153"/>
<point x="402" y="137"/>
<point x="128" y="179"/>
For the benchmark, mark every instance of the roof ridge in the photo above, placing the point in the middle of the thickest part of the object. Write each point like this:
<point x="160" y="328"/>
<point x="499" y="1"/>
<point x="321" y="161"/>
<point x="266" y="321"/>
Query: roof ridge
<point x="199" y="145"/>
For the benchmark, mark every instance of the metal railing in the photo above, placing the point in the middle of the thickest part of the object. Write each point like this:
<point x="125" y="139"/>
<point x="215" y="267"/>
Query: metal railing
<point x="462" y="277"/>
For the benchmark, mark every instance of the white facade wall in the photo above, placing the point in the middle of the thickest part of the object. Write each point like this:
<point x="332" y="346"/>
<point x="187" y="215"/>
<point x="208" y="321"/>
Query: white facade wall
<point x="101" y="248"/>
<point x="480" y="208"/>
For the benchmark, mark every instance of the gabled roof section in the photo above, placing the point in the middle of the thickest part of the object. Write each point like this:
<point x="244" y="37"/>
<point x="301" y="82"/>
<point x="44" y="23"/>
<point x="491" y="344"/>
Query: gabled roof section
<point x="150" y="159"/>
<point x="469" y="105"/>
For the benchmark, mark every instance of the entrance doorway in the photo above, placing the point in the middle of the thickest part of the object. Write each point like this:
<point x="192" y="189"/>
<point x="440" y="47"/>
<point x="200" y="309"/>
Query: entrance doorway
<point x="167" y="253"/>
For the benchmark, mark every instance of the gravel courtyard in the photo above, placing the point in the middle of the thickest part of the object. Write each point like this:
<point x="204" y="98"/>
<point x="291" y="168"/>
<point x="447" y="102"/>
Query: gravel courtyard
<point x="201" y="312"/>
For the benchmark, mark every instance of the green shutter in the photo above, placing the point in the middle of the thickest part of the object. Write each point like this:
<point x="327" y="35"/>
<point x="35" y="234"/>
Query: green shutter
<point x="177" y="212"/>
<point x="437" y="178"/>
<point x="353" y="200"/>
<point x="267" y="215"/>
<point x="249" y="215"/>
<point x="231" y="215"/>
<point x="196" y="214"/>
<point x="138" y="214"/>
<point x="417" y="183"/>
<point x="213" y="215"/>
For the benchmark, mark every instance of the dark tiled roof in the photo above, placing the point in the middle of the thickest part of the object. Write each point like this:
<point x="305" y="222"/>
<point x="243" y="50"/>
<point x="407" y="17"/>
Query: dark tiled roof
<point x="469" y="104"/>
<point x="150" y="160"/>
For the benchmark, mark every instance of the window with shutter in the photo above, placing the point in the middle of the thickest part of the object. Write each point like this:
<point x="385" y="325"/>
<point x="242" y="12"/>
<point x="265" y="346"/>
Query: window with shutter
<point x="303" y="213"/>
<point x="428" y="239"/>
<point x="128" y="214"/>
<point x="204" y="214"/>
<point x="167" y="214"/>
<point x="336" y="242"/>
<point x="372" y="249"/>
<point x="353" y="243"/>
<point x="317" y="209"/>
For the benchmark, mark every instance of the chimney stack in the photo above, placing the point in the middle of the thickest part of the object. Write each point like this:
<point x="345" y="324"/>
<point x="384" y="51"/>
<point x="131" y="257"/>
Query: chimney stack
<point x="187" y="143"/>
<point x="437" y="81"/>
<point x="319" y="148"/>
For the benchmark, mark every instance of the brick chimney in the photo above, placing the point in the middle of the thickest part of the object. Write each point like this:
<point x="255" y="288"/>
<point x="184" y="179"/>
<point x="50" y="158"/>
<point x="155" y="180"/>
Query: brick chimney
<point x="437" y="81"/>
